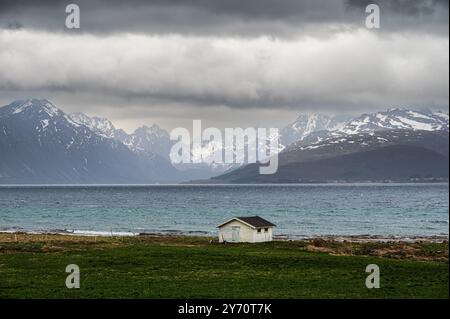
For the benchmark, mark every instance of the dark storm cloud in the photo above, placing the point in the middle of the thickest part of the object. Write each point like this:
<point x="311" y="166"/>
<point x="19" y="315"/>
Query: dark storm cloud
<point x="225" y="17"/>
<point x="409" y="15"/>
<point x="200" y="56"/>
<point x="406" y="7"/>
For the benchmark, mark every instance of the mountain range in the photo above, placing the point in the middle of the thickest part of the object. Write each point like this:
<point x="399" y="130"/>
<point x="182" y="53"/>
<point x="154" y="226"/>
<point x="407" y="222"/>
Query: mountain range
<point x="394" y="145"/>
<point x="39" y="143"/>
<point x="307" y="124"/>
<point x="390" y="155"/>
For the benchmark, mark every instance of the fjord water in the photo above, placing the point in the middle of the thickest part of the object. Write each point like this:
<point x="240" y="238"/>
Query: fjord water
<point x="298" y="210"/>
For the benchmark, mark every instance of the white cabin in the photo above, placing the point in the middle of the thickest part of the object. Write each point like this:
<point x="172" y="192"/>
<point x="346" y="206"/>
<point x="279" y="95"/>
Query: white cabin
<point x="252" y="229"/>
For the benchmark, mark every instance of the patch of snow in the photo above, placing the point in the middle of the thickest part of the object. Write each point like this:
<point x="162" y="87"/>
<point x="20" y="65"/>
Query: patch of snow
<point x="311" y="147"/>
<point x="442" y="115"/>
<point x="71" y="121"/>
<point x="100" y="126"/>
<point x="22" y="107"/>
<point x="50" y="108"/>
<point x="381" y="117"/>
<point x="397" y="124"/>
<point x="416" y="125"/>
<point x="418" y="115"/>
<point x="44" y="123"/>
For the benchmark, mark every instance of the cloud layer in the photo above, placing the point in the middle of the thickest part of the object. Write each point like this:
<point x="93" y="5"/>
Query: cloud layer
<point x="229" y="18"/>
<point x="201" y="56"/>
<point x="348" y="69"/>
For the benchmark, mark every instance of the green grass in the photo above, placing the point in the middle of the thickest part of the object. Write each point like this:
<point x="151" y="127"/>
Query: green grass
<point x="194" y="268"/>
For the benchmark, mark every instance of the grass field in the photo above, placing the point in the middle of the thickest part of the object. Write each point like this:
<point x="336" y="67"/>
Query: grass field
<point x="33" y="266"/>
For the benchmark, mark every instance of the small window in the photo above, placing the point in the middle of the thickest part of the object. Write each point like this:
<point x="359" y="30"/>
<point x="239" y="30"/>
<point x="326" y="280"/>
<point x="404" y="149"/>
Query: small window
<point x="259" y="230"/>
<point x="266" y="230"/>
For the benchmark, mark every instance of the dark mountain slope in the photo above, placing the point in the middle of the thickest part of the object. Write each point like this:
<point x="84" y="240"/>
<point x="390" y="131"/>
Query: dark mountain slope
<point x="395" y="163"/>
<point x="397" y="155"/>
<point x="40" y="144"/>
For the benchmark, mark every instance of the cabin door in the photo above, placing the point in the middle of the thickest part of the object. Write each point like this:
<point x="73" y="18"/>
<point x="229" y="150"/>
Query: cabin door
<point x="235" y="234"/>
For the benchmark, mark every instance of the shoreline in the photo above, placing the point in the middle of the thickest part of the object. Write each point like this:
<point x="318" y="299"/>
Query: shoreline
<point x="363" y="238"/>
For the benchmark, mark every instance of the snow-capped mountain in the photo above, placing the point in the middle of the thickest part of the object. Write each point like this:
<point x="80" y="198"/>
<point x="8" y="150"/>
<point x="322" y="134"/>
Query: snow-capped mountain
<point x="41" y="109"/>
<point x="151" y="139"/>
<point x="397" y="119"/>
<point x="248" y="150"/>
<point x="307" y="124"/>
<point x="39" y="143"/>
<point x="395" y="145"/>
<point x="302" y="127"/>
<point x="145" y="140"/>
<point x="311" y="128"/>
<point x="99" y="125"/>
<point x="390" y="155"/>
<point x="392" y="119"/>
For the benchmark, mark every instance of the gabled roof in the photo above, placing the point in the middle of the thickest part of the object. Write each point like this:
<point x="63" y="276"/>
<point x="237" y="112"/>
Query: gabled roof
<point x="252" y="221"/>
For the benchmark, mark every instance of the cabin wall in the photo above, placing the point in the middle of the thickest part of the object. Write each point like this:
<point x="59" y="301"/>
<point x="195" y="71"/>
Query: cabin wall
<point x="262" y="236"/>
<point x="246" y="233"/>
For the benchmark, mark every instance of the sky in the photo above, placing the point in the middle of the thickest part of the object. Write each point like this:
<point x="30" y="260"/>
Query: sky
<point x="230" y="63"/>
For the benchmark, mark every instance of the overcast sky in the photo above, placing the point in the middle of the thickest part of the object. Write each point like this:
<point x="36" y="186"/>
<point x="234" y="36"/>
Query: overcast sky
<point x="227" y="62"/>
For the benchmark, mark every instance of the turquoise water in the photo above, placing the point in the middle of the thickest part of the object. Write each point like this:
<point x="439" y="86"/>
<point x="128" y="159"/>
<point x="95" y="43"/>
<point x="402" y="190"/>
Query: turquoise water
<point x="298" y="210"/>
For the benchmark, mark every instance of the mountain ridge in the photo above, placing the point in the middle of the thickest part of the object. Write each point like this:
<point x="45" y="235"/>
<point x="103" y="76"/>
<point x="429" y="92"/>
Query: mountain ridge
<point x="36" y="125"/>
<point x="39" y="143"/>
<point x="295" y="162"/>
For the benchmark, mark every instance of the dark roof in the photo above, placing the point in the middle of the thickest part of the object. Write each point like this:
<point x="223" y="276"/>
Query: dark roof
<point x="254" y="221"/>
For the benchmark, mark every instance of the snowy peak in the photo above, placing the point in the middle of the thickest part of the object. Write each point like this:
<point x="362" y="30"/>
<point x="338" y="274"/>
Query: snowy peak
<point x="149" y="140"/>
<point x="150" y="132"/>
<point x="393" y="119"/>
<point x="40" y="114"/>
<point x="306" y="124"/>
<point x="98" y="125"/>
<point x="313" y="128"/>
<point x="41" y="144"/>
<point x="41" y="107"/>
<point x="42" y="122"/>
<point x="145" y="140"/>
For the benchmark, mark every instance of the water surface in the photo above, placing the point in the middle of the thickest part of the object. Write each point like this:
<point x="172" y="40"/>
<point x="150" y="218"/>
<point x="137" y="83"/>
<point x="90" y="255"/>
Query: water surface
<point x="298" y="210"/>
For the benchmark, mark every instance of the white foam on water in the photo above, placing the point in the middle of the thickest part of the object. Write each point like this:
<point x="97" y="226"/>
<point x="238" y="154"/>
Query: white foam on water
<point x="100" y="233"/>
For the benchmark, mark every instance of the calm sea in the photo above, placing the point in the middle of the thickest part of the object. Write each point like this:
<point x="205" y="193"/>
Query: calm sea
<point x="298" y="210"/>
